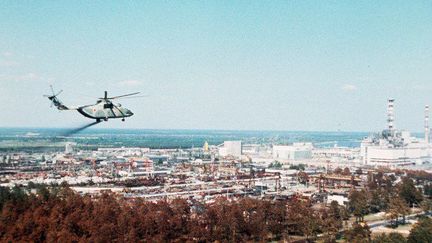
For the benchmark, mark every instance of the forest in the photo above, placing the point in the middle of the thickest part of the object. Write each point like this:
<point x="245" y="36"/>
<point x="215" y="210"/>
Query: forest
<point x="57" y="213"/>
<point x="61" y="215"/>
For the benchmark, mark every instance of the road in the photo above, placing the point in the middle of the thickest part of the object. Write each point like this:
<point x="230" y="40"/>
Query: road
<point x="385" y="222"/>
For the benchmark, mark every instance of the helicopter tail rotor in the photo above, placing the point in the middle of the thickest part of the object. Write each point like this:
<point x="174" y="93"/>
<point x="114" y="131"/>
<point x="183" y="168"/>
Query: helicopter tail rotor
<point x="55" y="101"/>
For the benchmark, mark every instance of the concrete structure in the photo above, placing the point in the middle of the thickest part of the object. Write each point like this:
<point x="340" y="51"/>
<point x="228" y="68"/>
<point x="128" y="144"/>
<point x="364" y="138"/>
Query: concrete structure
<point x="142" y="164"/>
<point x="342" y="200"/>
<point x="426" y="125"/>
<point x="390" y="115"/>
<point x="122" y="151"/>
<point x="414" y="153"/>
<point x="206" y="147"/>
<point x="297" y="151"/>
<point x="393" y="148"/>
<point x="69" y="148"/>
<point x="336" y="152"/>
<point x="233" y="148"/>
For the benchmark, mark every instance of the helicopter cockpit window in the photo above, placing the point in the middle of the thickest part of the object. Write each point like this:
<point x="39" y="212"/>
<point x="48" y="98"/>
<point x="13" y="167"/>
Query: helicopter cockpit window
<point x="108" y="106"/>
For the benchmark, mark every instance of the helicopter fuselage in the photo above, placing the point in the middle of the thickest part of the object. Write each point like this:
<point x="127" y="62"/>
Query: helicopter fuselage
<point x="103" y="110"/>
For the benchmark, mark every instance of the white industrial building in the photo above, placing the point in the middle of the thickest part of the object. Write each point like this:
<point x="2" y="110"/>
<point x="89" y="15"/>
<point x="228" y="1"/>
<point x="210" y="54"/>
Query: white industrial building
<point x="296" y="151"/>
<point x="122" y="151"/>
<point x="394" y="148"/>
<point x="69" y="148"/>
<point x="232" y="148"/>
<point x="336" y="152"/>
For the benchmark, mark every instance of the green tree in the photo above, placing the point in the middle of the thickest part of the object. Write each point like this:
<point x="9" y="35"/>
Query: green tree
<point x="5" y="195"/>
<point x="337" y="171"/>
<point x="303" y="177"/>
<point x="332" y="222"/>
<point x="426" y="205"/>
<point x="396" y="238"/>
<point x="276" y="165"/>
<point x="43" y="192"/>
<point x="376" y="203"/>
<point x="358" y="204"/>
<point x="409" y="192"/>
<point x="397" y="207"/>
<point x="421" y="232"/>
<point x="335" y="210"/>
<point x="359" y="233"/>
<point x="18" y="195"/>
<point x="346" y="171"/>
<point x="427" y="190"/>
<point x="390" y="238"/>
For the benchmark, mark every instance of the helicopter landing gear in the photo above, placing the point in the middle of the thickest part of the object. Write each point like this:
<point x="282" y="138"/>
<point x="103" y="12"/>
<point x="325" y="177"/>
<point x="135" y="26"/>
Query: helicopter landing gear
<point x="123" y="119"/>
<point x="97" y="120"/>
<point x="105" y="119"/>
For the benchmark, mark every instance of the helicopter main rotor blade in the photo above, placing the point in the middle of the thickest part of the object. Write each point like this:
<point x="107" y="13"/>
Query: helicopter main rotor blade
<point x="133" y="97"/>
<point x="115" y="97"/>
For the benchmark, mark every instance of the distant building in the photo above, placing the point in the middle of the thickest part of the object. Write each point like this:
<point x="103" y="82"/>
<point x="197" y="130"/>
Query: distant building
<point x="394" y="148"/>
<point x="206" y="147"/>
<point x="296" y="151"/>
<point x="383" y="152"/>
<point x="252" y="149"/>
<point x="142" y="164"/>
<point x="233" y="148"/>
<point x="336" y="152"/>
<point x="69" y="148"/>
<point x="123" y="151"/>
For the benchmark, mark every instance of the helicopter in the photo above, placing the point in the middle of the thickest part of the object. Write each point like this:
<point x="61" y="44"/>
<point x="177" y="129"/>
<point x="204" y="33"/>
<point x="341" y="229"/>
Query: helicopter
<point x="104" y="108"/>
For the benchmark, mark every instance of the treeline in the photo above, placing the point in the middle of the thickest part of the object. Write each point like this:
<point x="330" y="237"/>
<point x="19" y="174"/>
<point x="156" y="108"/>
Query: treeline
<point x="61" y="215"/>
<point x="40" y="214"/>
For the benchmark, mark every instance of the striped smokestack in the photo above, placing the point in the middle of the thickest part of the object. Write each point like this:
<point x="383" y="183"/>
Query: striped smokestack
<point x="390" y="114"/>
<point x="426" y="124"/>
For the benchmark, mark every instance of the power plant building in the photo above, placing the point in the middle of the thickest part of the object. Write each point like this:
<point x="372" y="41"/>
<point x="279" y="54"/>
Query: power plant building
<point x="232" y="148"/>
<point x="296" y="151"/>
<point x="394" y="148"/>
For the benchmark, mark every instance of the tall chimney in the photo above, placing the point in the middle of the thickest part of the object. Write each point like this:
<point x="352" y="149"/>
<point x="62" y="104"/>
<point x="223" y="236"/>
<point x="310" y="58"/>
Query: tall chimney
<point x="390" y="114"/>
<point x="426" y="124"/>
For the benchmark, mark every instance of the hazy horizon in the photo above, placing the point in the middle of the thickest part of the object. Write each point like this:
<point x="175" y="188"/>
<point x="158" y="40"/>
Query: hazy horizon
<point x="415" y="133"/>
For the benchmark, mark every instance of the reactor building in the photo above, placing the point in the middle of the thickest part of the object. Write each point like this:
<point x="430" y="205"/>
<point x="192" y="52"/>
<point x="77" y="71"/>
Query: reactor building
<point x="396" y="148"/>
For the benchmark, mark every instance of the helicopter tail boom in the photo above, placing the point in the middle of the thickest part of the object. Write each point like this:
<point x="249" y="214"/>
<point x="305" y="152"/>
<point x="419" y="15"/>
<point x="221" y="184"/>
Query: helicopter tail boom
<point x="56" y="102"/>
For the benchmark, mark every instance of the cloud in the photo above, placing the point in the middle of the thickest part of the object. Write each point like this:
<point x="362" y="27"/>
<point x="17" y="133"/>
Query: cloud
<point x="19" y="78"/>
<point x="8" y="63"/>
<point x="130" y="83"/>
<point x="7" y="54"/>
<point x="28" y="77"/>
<point x="90" y="84"/>
<point x="349" y="87"/>
<point x="422" y="87"/>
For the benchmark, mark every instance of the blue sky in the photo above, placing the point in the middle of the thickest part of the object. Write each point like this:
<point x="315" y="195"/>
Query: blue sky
<point x="274" y="65"/>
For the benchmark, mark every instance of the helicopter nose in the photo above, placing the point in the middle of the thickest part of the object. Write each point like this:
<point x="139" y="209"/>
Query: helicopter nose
<point x="129" y="113"/>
